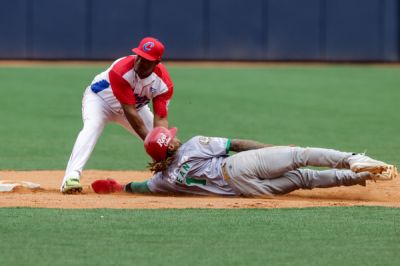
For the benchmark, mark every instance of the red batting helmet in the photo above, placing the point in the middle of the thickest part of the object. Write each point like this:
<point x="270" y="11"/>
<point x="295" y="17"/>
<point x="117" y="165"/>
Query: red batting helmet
<point x="150" y="48"/>
<point x="157" y="141"/>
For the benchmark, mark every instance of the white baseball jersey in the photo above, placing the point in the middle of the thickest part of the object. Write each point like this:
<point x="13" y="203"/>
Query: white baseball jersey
<point x="196" y="169"/>
<point x="121" y="84"/>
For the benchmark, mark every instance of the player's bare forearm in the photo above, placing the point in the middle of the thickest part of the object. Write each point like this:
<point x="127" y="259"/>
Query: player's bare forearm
<point x="135" y="121"/>
<point x="238" y="145"/>
<point x="160" y="121"/>
<point x="139" y="127"/>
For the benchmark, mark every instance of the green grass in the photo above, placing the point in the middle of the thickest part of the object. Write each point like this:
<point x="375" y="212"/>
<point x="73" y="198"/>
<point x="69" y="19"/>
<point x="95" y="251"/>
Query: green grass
<point x="352" y="108"/>
<point x="315" y="236"/>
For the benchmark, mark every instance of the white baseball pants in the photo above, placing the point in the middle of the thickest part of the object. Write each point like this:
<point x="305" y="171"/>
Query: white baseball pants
<point x="96" y="114"/>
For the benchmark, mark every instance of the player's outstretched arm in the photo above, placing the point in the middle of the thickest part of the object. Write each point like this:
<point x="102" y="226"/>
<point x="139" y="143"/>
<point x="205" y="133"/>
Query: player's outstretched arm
<point x="238" y="145"/>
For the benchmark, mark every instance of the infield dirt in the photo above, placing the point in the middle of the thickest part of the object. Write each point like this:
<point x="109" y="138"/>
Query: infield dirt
<point x="48" y="196"/>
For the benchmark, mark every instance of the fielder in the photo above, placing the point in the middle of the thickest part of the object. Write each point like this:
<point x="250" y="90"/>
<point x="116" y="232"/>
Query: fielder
<point x="202" y="166"/>
<point x="121" y="95"/>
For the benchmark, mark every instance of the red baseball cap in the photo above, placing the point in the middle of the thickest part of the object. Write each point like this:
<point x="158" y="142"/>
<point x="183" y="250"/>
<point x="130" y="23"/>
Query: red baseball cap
<point x="150" y="49"/>
<point x="157" y="141"/>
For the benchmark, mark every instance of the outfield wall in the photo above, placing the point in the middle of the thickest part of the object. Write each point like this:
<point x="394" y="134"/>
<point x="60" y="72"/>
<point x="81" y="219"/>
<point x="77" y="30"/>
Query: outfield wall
<point x="322" y="30"/>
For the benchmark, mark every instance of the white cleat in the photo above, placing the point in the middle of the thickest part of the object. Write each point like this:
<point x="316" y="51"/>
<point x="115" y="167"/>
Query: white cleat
<point x="389" y="174"/>
<point x="362" y="163"/>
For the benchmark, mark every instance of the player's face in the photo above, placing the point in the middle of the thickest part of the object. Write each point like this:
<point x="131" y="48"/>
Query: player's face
<point x="174" y="144"/>
<point x="144" y="67"/>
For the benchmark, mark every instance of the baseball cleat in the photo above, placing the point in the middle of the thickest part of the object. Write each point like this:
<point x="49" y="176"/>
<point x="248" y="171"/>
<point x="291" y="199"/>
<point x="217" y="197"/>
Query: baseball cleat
<point x="362" y="163"/>
<point x="72" y="186"/>
<point x="389" y="174"/>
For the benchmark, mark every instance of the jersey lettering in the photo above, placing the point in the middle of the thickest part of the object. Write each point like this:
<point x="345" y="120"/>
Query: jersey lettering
<point x="186" y="167"/>
<point x="183" y="171"/>
<point x="141" y="101"/>
<point x="182" y="177"/>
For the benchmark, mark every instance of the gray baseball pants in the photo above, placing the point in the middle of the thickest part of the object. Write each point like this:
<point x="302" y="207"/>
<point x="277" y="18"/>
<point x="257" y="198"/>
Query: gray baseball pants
<point x="277" y="170"/>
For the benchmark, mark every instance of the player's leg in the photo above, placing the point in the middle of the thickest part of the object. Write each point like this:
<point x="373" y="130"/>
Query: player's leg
<point x="95" y="114"/>
<point x="298" y="179"/>
<point x="275" y="161"/>
<point x="309" y="179"/>
<point x="146" y="115"/>
<point x="337" y="159"/>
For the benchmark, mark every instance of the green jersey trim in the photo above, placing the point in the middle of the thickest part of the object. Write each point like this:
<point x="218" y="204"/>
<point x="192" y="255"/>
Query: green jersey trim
<point x="228" y="146"/>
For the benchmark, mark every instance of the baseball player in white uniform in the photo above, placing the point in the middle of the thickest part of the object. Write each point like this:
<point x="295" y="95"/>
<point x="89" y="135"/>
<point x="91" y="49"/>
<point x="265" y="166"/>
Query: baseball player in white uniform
<point x="202" y="166"/>
<point x="121" y="95"/>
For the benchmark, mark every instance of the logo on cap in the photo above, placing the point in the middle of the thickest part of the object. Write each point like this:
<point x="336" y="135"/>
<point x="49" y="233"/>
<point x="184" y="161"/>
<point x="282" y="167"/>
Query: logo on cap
<point x="148" y="46"/>
<point x="163" y="140"/>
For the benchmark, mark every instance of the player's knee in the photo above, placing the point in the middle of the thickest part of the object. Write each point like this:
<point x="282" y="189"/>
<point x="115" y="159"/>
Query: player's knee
<point x="93" y="125"/>
<point x="300" y="156"/>
<point x="302" y="179"/>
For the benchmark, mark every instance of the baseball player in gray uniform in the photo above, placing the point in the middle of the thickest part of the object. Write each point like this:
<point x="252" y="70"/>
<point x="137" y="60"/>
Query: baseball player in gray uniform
<point x="202" y="166"/>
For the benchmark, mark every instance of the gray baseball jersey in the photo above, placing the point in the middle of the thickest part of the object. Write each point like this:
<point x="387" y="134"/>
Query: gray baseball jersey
<point x="196" y="169"/>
